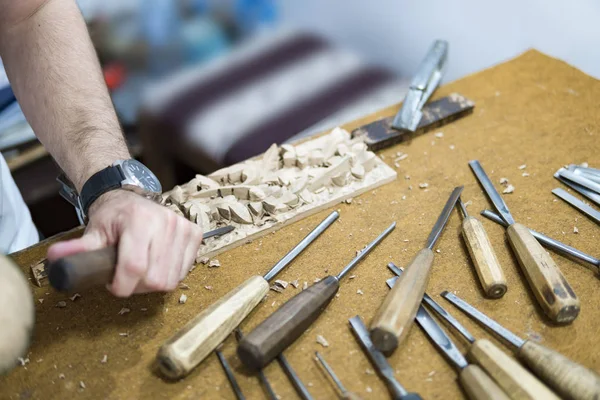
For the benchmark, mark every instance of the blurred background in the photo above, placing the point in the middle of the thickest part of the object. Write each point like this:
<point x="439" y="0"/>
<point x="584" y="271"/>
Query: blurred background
<point x="201" y="84"/>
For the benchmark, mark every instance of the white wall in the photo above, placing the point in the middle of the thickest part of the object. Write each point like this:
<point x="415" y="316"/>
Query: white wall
<point x="397" y="33"/>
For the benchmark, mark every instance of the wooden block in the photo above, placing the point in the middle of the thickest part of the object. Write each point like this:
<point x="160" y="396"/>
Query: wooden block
<point x="40" y="276"/>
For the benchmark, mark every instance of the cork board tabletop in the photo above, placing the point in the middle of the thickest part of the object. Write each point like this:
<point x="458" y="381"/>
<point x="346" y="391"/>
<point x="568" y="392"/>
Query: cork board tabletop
<point x="532" y="110"/>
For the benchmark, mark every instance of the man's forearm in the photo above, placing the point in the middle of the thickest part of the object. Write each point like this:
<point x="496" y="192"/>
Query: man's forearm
<point x="55" y="74"/>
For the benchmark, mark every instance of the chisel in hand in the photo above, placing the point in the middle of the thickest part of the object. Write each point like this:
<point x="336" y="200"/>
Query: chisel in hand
<point x="395" y="316"/>
<point x="378" y="360"/>
<point x="484" y="258"/>
<point x="285" y="325"/>
<point x="90" y="268"/>
<point x="569" y="379"/>
<point x="200" y="336"/>
<point x="551" y="289"/>
<point x="346" y="394"/>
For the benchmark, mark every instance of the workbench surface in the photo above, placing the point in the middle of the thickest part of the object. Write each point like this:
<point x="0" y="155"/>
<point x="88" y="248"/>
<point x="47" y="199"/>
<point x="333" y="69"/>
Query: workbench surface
<point x="532" y="110"/>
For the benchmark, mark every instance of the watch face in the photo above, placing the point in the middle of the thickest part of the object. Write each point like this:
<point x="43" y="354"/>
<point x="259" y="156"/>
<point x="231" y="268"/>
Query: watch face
<point x="142" y="176"/>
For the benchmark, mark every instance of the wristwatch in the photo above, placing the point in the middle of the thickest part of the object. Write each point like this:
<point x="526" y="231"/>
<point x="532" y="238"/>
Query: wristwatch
<point x="122" y="174"/>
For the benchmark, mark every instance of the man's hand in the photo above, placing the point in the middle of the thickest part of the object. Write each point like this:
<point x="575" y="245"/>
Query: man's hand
<point x="156" y="247"/>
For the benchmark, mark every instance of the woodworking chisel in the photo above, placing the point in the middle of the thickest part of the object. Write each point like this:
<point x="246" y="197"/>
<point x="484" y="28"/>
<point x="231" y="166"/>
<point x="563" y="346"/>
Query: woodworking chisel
<point x="397" y="312"/>
<point x="285" y="325"/>
<point x="484" y="258"/>
<point x="230" y="377"/>
<point x="200" y="336"/>
<point x="551" y="289"/>
<point x="91" y="268"/>
<point x="346" y="394"/>
<point x="378" y="360"/>
<point x="590" y="194"/>
<point x="549" y="242"/>
<point x="569" y="379"/>
<point x="578" y="204"/>
<point x="515" y="380"/>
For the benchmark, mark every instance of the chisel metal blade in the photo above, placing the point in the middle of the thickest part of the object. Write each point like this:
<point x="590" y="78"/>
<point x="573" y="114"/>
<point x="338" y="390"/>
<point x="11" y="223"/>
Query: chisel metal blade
<point x="443" y="218"/>
<point x="578" y="204"/>
<point x="491" y="191"/>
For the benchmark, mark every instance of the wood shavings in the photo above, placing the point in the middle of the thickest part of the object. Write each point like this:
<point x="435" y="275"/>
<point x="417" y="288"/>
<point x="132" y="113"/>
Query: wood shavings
<point x="403" y="197"/>
<point x="61" y="304"/>
<point x="468" y="203"/>
<point x="369" y="371"/>
<point x="423" y="185"/>
<point x="81" y="384"/>
<point x="396" y="165"/>
<point x="509" y="189"/>
<point x="359" y="292"/>
<point x="75" y="296"/>
<point x="317" y="280"/>
<point x="208" y="287"/>
<point x="61" y="376"/>
<point x="294" y="283"/>
<point x="352" y="277"/>
<point x="525" y="174"/>
<point x="276" y="288"/>
<point x="504" y="181"/>
<point x="273" y="304"/>
<point x="452" y="147"/>
<point x="348" y="200"/>
<point x="183" y="299"/>
<point x="439" y="135"/>
<point x="23" y="361"/>
<point x="125" y="334"/>
<point x="369" y="390"/>
<point x="203" y="260"/>
<point x="144" y="309"/>
<point x="523" y="166"/>
<point x="322" y="341"/>
<point x="183" y="286"/>
<point x="41" y="300"/>
<point x="124" y="310"/>
<point x="214" y="263"/>
<point x="575" y="230"/>
<point x="282" y="283"/>
<point x="400" y="158"/>
<point x="104" y="359"/>
<point x="305" y="285"/>
<point x="438" y="251"/>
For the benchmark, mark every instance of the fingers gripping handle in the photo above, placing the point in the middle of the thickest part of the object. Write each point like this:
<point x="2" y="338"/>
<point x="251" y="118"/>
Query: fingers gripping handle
<point x="83" y="270"/>
<point x="569" y="379"/>
<point x="551" y="289"/>
<point x="284" y="326"/>
<point x="199" y="337"/>
<point x="397" y="312"/>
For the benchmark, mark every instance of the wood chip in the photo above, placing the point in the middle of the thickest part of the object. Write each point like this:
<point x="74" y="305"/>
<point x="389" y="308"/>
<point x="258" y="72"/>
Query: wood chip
<point x="41" y="300"/>
<point x="204" y="260"/>
<point x="348" y="200"/>
<point x="359" y="292"/>
<point x="208" y="287"/>
<point x="439" y="135"/>
<point x="438" y="251"/>
<point x="81" y="384"/>
<point x="61" y="376"/>
<point x="144" y="309"/>
<point x="509" y="189"/>
<point x="369" y="390"/>
<point x="214" y="263"/>
<point x="504" y="181"/>
<point x="369" y="371"/>
<point x="75" y="296"/>
<point x="183" y="286"/>
<point x="276" y="288"/>
<point x="575" y="230"/>
<point x="124" y="310"/>
<point x="525" y="174"/>
<point x="352" y="277"/>
<point x="523" y="166"/>
<point x="124" y="334"/>
<point x="282" y="283"/>
<point x="317" y="280"/>
<point x="23" y="361"/>
<point x="423" y="185"/>
<point x="305" y="285"/>
<point x="104" y="359"/>
<point x="182" y="299"/>
<point x="294" y="283"/>
<point x="61" y="304"/>
<point x="452" y="147"/>
<point x="322" y="341"/>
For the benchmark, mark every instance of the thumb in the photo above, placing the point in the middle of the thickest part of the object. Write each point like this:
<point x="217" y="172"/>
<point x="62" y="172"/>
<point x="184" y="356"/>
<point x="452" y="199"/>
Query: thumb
<point x="91" y="240"/>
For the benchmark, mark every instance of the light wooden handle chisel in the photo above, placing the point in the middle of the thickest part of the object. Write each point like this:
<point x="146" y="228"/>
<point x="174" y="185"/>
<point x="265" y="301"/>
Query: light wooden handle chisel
<point x="200" y="336"/>
<point x="284" y="326"/>
<point x="551" y="289"/>
<point x="484" y="258"/>
<point x="479" y="386"/>
<point x="394" y="318"/>
<point x="515" y="380"/>
<point x="570" y="379"/>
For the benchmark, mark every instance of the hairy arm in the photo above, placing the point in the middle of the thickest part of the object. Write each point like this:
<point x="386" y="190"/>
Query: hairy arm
<point x="56" y="77"/>
<point x="55" y="74"/>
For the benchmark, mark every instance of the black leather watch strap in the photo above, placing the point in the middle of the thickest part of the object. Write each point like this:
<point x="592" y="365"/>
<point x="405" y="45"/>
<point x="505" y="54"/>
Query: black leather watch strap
<point x="108" y="179"/>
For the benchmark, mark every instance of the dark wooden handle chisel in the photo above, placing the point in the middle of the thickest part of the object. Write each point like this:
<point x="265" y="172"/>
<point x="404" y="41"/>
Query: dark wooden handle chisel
<point x="92" y="268"/>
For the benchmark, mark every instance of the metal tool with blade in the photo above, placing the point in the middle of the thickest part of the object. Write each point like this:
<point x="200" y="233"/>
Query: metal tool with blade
<point x="394" y="318"/>
<point x="569" y="379"/>
<point x="578" y="204"/>
<point x="91" y="268"/>
<point x="551" y="289"/>
<point x="345" y="393"/>
<point x="590" y="194"/>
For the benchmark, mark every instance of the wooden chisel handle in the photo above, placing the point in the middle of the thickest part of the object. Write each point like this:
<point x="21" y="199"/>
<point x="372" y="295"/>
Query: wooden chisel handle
<point x="569" y="379"/>
<point x="514" y="379"/>
<point x="83" y="270"/>
<point x="199" y="337"/>
<point x="397" y="312"/>
<point x="284" y="326"/>
<point x="551" y="289"/>
<point x="484" y="258"/>
<point x="478" y="385"/>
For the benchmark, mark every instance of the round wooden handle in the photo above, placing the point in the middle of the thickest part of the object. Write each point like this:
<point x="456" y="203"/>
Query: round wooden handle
<point x="397" y="312"/>
<point x="284" y="326"/>
<point x="484" y="258"/>
<point x="569" y="379"/>
<point x="551" y="289"/>
<point x="83" y="270"/>
<point x="479" y="386"/>
<point x="199" y="337"/>
<point x="514" y="379"/>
